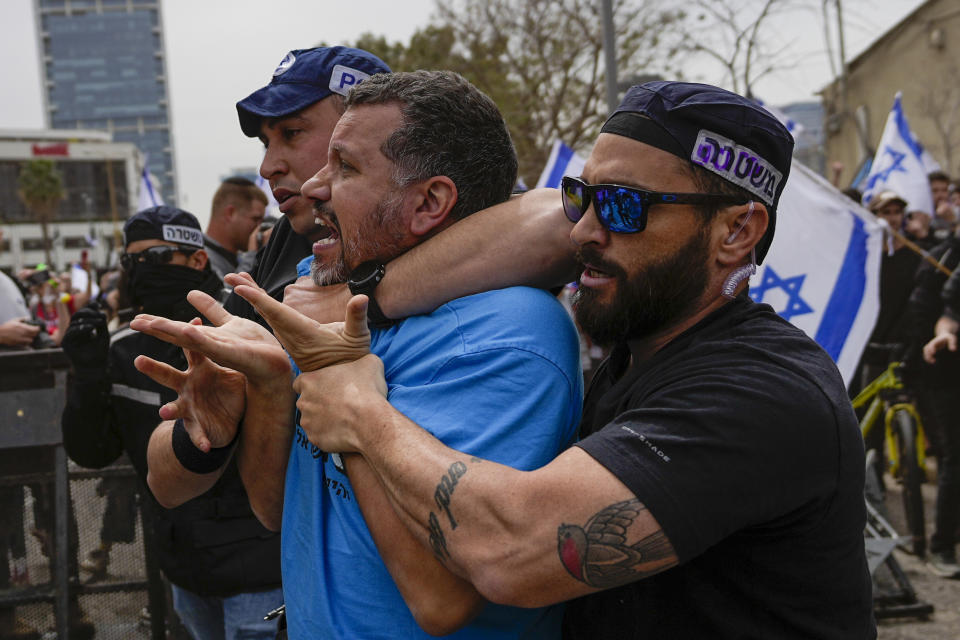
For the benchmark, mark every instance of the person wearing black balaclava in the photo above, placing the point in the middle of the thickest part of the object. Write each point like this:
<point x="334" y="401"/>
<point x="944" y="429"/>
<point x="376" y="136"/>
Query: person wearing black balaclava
<point x="113" y="409"/>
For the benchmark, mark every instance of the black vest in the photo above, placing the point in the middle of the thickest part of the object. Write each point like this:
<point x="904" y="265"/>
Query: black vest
<point x="212" y="545"/>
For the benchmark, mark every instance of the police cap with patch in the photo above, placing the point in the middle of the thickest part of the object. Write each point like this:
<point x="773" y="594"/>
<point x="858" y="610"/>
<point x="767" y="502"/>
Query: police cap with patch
<point x="303" y="77"/>
<point x="724" y="133"/>
<point x="164" y="223"/>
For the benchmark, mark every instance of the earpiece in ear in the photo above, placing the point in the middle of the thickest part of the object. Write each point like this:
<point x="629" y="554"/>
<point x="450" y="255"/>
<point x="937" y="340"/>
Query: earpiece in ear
<point x="733" y="236"/>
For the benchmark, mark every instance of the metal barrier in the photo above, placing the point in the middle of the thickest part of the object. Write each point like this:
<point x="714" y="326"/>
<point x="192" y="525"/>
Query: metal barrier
<point x="43" y="589"/>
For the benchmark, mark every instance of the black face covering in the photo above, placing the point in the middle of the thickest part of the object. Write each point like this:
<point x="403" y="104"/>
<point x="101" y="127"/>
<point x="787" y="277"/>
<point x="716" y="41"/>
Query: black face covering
<point x="161" y="289"/>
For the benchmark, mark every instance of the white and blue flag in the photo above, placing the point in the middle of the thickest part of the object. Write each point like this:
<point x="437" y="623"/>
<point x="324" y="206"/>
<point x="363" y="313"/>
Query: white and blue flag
<point x="149" y="196"/>
<point x="901" y="165"/>
<point x="794" y="127"/>
<point x="563" y="161"/>
<point x="823" y="269"/>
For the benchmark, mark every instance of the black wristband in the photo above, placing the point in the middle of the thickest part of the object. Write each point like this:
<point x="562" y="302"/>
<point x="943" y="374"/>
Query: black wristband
<point x="194" y="459"/>
<point x="364" y="280"/>
<point x="375" y="315"/>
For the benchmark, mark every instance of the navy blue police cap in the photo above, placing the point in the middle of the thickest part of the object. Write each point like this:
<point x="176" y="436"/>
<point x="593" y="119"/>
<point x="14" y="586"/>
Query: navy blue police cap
<point x="303" y="77"/>
<point x="723" y="132"/>
<point x="164" y="223"/>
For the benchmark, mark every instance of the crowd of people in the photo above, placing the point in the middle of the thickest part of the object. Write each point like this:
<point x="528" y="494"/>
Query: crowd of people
<point x="917" y="324"/>
<point x="376" y="424"/>
<point x="42" y="309"/>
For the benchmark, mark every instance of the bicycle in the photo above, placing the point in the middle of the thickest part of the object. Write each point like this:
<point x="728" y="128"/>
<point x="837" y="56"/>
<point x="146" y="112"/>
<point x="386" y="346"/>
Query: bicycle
<point x="905" y="443"/>
<point x="894" y="595"/>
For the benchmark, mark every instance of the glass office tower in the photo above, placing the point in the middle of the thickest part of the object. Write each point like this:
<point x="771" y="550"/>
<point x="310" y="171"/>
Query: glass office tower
<point x="104" y="67"/>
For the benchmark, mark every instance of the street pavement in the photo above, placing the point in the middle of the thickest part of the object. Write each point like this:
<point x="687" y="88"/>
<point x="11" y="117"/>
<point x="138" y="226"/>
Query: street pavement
<point x="944" y="595"/>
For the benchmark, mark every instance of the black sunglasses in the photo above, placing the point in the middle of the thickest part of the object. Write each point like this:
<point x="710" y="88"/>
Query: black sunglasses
<point x="153" y="255"/>
<point x="624" y="209"/>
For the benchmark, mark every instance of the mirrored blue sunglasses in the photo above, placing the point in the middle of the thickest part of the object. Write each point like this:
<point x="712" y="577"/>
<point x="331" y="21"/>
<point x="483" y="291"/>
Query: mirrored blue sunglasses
<point x="624" y="209"/>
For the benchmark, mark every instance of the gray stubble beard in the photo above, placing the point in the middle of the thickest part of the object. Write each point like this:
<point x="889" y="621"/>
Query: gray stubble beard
<point x="327" y="274"/>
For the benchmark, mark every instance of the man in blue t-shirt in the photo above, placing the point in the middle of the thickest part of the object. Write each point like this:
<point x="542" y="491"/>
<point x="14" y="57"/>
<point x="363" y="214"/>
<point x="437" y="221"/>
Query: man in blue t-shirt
<point x="494" y="374"/>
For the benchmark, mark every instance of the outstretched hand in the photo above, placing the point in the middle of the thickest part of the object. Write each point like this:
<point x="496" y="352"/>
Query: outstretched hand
<point x="233" y="342"/>
<point x="222" y="360"/>
<point x="211" y="398"/>
<point x="311" y="344"/>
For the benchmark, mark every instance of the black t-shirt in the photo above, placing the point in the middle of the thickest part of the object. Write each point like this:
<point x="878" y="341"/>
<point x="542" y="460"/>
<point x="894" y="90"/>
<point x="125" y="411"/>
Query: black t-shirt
<point x="896" y="284"/>
<point x="739" y="438"/>
<point x="274" y="269"/>
<point x="931" y="298"/>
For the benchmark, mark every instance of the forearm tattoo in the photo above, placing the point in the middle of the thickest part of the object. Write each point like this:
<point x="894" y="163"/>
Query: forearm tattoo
<point x="598" y="554"/>
<point x="442" y="496"/>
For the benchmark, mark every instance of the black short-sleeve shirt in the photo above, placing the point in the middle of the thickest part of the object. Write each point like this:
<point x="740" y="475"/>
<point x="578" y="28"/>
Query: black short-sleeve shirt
<point x="739" y="438"/>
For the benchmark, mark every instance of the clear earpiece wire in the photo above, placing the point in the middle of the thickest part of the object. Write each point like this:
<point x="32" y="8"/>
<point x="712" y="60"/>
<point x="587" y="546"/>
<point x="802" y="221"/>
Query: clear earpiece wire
<point x="739" y="275"/>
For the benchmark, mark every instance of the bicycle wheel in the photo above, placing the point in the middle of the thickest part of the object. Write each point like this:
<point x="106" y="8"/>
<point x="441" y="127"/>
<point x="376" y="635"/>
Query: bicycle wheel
<point x="911" y="478"/>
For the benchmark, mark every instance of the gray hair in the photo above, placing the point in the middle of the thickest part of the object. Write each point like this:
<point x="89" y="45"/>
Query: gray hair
<point x="450" y="128"/>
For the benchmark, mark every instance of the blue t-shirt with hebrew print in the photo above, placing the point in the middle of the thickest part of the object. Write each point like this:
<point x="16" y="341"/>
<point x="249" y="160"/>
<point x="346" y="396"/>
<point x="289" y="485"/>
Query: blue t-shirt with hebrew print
<point x="495" y="375"/>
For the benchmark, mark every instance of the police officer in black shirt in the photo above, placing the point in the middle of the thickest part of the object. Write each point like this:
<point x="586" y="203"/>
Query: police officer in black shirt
<point x="717" y="491"/>
<point x="223" y="565"/>
<point x="294" y="116"/>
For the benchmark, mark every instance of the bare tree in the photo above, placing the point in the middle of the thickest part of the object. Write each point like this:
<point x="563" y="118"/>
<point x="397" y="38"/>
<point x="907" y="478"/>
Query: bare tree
<point x="731" y="32"/>
<point x="542" y="62"/>
<point x="940" y="103"/>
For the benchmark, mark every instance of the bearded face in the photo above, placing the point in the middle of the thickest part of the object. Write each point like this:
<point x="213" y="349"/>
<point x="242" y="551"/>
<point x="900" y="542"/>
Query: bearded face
<point x="381" y="238"/>
<point x="646" y="301"/>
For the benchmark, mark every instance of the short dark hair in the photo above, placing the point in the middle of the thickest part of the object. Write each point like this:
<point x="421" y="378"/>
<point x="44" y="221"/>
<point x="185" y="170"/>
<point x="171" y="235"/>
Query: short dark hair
<point x="938" y="176"/>
<point x="237" y="190"/>
<point x="450" y="128"/>
<point x="709" y="182"/>
<point x="854" y="194"/>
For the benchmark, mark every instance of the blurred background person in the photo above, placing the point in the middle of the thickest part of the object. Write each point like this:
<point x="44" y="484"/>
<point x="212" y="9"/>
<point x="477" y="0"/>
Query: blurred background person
<point x="945" y="214"/>
<point x="16" y="330"/>
<point x="236" y="212"/>
<point x="258" y="240"/>
<point x="936" y="306"/>
<point x="224" y="567"/>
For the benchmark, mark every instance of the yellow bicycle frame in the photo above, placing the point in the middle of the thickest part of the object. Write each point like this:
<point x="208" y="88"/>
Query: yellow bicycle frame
<point x="889" y="380"/>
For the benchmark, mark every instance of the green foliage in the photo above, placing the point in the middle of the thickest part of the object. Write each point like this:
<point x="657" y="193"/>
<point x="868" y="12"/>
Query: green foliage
<point x="541" y="61"/>
<point x="40" y="188"/>
<point x="39" y="183"/>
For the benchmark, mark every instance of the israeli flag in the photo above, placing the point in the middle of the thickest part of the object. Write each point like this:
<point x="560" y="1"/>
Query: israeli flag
<point x="563" y="161"/>
<point x="149" y="196"/>
<point x="900" y="165"/>
<point x="823" y="269"/>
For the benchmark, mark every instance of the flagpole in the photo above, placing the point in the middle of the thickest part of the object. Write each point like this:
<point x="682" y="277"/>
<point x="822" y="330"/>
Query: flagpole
<point x="609" y="55"/>
<point x="913" y="246"/>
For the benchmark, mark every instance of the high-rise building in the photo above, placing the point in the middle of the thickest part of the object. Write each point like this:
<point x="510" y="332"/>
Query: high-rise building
<point x="809" y="143"/>
<point x="103" y="64"/>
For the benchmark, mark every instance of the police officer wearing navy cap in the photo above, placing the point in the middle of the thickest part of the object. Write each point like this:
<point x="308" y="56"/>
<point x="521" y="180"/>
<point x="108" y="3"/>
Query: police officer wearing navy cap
<point x="294" y="116"/>
<point x="717" y="489"/>
<point x="224" y="566"/>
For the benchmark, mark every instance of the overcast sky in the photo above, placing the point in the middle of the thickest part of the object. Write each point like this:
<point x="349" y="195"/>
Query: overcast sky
<point x="218" y="51"/>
